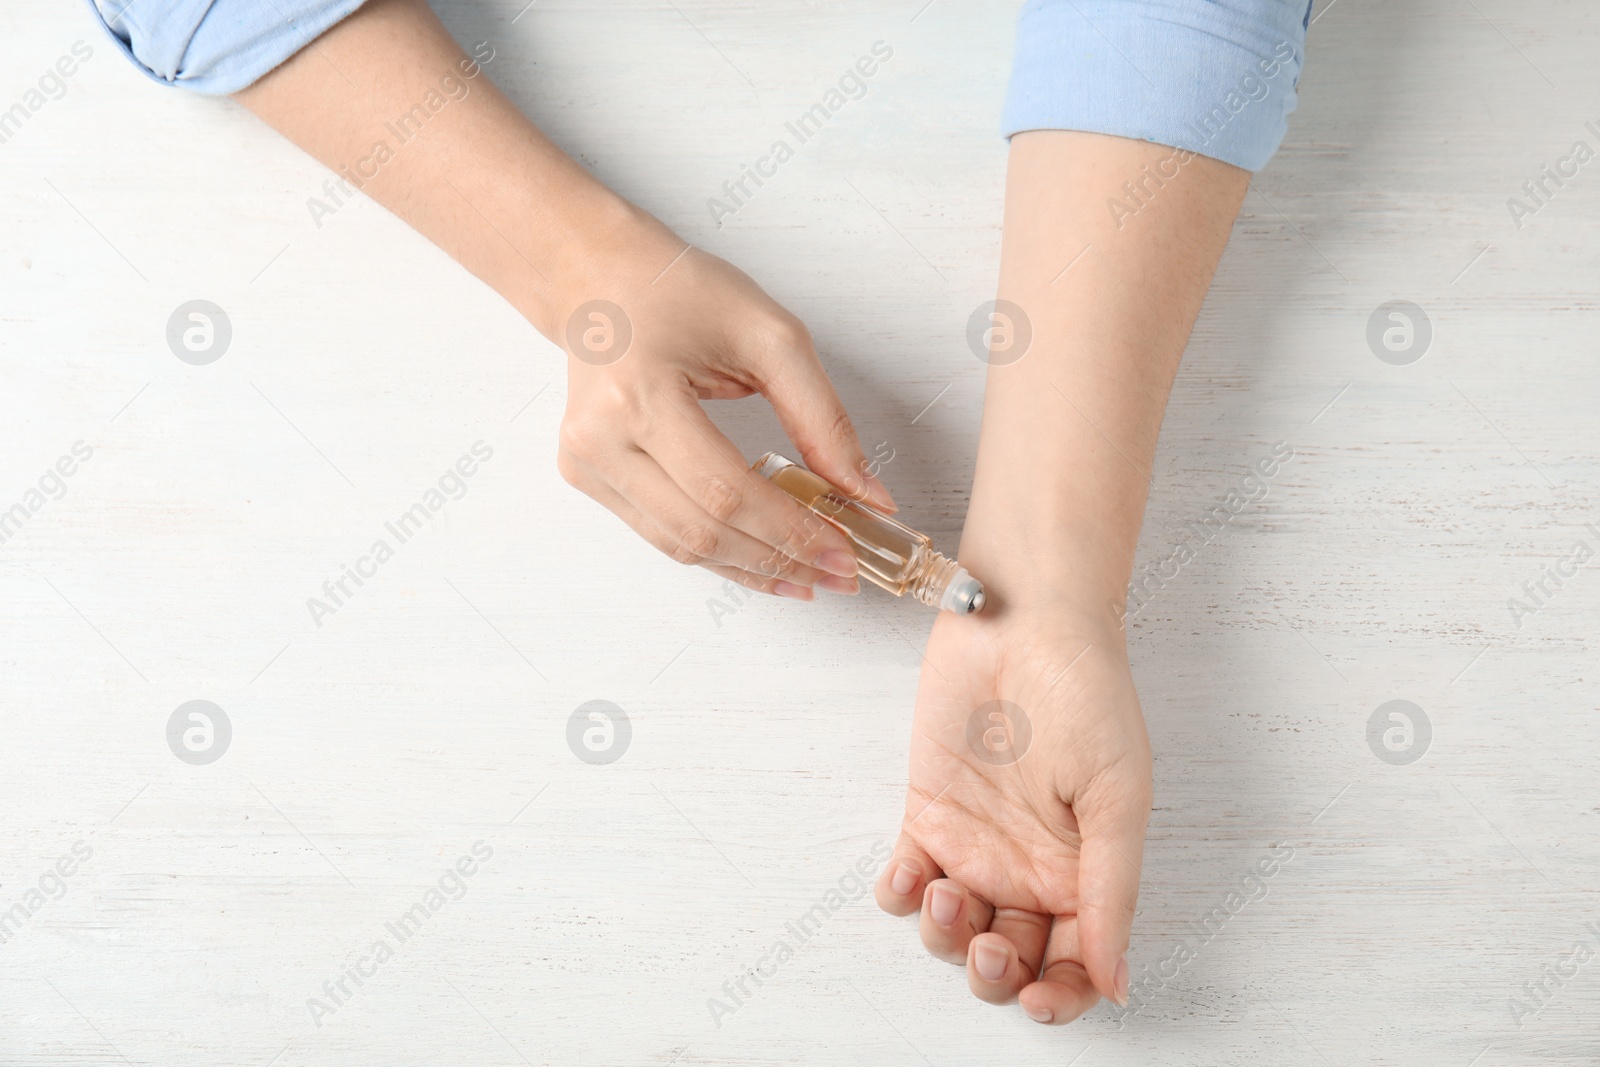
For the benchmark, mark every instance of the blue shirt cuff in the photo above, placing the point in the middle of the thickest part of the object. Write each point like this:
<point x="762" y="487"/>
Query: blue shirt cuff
<point x="1214" y="77"/>
<point x="215" y="46"/>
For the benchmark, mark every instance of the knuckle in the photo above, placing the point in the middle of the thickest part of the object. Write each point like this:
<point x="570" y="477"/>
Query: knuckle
<point x="697" y="543"/>
<point x="722" y="501"/>
<point x="801" y="541"/>
<point x="770" y="567"/>
<point x="580" y="436"/>
<point x="812" y="534"/>
<point x="793" y="542"/>
<point x="831" y="434"/>
<point x="567" y="466"/>
<point x="678" y="552"/>
<point x="841" y="430"/>
<point x="780" y="566"/>
<point x="607" y="409"/>
<point x="785" y="333"/>
<point x="660" y="542"/>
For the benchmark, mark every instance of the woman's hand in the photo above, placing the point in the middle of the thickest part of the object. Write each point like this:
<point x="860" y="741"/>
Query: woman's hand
<point x="663" y="329"/>
<point x="1025" y="815"/>
<point x="1028" y="868"/>
<point x="651" y="326"/>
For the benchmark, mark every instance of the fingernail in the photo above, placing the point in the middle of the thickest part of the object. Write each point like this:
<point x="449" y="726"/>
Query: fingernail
<point x="1039" y="1015"/>
<point x="835" y="562"/>
<point x="945" y="904"/>
<point x="881" y="494"/>
<point x="792" y="591"/>
<point x="991" y="961"/>
<point x="1120" y="983"/>
<point x="835" y="584"/>
<point x="904" y="879"/>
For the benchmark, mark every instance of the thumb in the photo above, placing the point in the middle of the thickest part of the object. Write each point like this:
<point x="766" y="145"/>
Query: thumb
<point x="1108" y="884"/>
<point x="815" y="419"/>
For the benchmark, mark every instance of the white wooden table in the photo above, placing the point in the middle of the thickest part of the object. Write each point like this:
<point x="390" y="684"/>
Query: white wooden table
<point x="1422" y="900"/>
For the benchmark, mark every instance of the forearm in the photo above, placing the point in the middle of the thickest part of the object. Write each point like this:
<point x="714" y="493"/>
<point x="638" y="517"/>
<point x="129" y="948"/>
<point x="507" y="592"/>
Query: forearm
<point x="1070" y="429"/>
<point x="392" y="104"/>
<point x="389" y="101"/>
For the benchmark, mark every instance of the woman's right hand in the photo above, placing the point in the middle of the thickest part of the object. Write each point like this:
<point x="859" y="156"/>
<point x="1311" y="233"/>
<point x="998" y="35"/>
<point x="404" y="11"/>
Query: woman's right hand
<point x="659" y="327"/>
<point x="651" y="326"/>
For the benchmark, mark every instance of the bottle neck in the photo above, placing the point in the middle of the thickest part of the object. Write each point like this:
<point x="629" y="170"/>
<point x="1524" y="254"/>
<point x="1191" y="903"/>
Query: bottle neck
<point x="945" y="584"/>
<point x="932" y="576"/>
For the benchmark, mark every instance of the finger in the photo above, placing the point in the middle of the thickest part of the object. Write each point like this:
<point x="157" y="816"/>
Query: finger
<point x="694" y="535"/>
<point x="710" y="470"/>
<point x="760" y="583"/>
<point x="951" y="917"/>
<point x="589" y="482"/>
<point x="1108" y="884"/>
<point x="1063" y="991"/>
<point x="1006" y="958"/>
<point x="899" y="889"/>
<point x="794" y="383"/>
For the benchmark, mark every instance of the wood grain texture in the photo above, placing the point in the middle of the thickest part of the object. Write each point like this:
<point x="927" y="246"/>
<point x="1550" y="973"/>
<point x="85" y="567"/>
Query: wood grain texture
<point x="768" y="746"/>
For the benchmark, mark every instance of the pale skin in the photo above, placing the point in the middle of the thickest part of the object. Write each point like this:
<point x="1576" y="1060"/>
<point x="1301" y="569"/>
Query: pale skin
<point x="485" y="185"/>
<point x="1027" y="872"/>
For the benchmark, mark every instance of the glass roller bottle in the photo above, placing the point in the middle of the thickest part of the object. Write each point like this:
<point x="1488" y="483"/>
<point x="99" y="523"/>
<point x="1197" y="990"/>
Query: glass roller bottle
<point x="890" y="554"/>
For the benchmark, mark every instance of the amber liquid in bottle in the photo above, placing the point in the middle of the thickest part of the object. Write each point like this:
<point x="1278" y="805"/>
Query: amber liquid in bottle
<point x="891" y="554"/>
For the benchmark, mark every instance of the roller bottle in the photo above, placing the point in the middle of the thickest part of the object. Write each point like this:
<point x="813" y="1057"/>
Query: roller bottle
<point x="890" y="554"/>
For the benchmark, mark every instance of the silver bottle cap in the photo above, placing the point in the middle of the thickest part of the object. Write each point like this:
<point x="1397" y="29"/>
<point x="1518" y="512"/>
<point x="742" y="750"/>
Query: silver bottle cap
<point x="964" y="595"/>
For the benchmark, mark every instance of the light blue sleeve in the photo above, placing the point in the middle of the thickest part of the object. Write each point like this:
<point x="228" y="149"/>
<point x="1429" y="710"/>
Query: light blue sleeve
<point x="215" y="46"/>
<point x="1215" y="77"/>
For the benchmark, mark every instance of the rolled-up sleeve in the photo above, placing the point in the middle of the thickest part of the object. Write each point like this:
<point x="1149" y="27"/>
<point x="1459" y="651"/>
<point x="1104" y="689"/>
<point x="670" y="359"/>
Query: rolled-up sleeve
<point x="215" y="46"/>
<point x="1216" y="77"/>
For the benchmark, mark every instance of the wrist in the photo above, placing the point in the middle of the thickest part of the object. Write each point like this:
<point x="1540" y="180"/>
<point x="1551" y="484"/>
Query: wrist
<point x="597" y="246"/>
<point x="1053" y="536"/>
<point x="1051" y="574"/>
